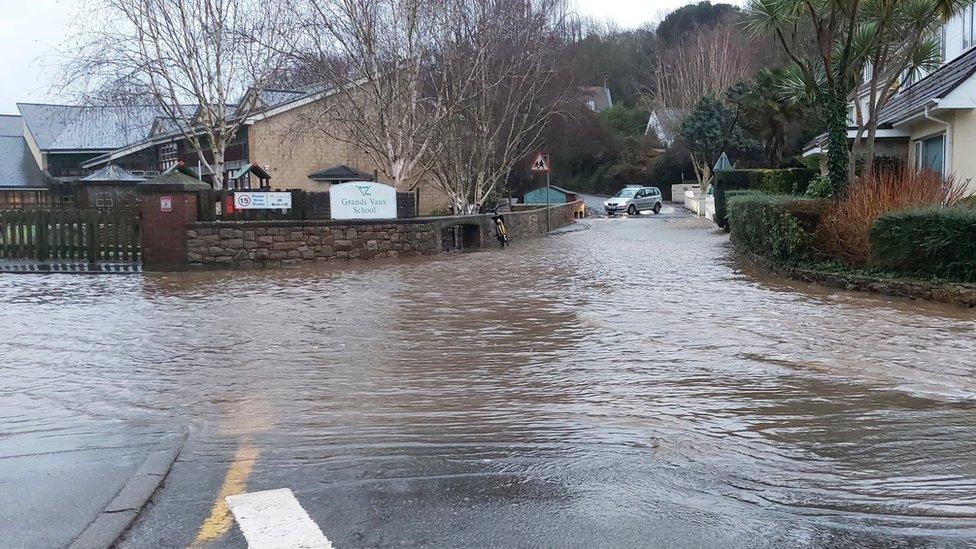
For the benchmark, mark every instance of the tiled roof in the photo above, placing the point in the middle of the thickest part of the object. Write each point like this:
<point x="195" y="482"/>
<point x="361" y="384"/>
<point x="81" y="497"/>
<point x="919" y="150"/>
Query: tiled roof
<point x="934" y="86"/>
<point x="18" y="169"/>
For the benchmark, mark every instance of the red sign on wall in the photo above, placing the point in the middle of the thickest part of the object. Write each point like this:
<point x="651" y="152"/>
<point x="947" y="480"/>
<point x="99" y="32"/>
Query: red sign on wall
<point x="165" y="203"/>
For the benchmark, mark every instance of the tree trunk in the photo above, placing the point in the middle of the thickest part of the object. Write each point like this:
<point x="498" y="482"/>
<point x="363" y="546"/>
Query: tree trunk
<point x="218" y="168"/>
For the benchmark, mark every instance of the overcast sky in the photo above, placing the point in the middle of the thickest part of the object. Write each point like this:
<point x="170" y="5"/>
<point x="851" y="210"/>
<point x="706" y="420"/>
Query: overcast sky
<point x="32" y="31"/>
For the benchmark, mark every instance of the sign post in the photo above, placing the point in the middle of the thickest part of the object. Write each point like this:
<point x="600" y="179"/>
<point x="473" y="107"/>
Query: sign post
<point x="540" y="164"/>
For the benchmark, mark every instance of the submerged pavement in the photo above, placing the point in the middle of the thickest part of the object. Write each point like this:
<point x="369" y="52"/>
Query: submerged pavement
<point x="617" y="386"/>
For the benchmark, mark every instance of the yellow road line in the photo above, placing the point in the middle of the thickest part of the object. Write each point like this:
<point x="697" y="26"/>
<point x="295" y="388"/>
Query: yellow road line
<point x="235" y="481"/>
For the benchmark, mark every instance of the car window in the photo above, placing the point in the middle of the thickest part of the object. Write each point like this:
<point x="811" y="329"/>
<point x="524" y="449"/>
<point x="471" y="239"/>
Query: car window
<point x="640" y="194"/>
<point x="626" y="192"/>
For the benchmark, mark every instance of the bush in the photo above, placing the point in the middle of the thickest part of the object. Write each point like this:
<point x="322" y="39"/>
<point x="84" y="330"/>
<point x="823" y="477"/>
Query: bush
<point x="768" y="226"/>
<point x="935" y="242"/>
<point x="789" y="181"/>
<point x="820" y="187"/>
<point x="843" y="233"/>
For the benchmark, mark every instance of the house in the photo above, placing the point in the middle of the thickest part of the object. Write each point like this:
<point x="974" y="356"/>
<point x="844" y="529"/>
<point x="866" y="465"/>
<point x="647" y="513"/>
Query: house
<point x="596" y="98"/>
<point x="22" y="183"/>
<point x="931" y="121"/>
<point x="661" y="124"/>
<point x="557" y="195"/>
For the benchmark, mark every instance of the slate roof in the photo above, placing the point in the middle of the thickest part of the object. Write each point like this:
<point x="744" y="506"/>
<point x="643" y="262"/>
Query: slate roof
<point x="18" y="169"/>
<point x="600" y="95"/>
<point x="112" y="174"/>
<point x="934" y="86"/>
<point x="340" y="173"/>
<point x="273" y="98"/>
<point x="258" y="171"/>
<point x="11" y="125"/>
<point x="177" y="178"/>
<point x="69" y="127"/>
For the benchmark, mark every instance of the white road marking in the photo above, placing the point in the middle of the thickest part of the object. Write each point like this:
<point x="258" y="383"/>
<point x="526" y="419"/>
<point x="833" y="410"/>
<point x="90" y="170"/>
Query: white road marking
<point x="274" y="519"/>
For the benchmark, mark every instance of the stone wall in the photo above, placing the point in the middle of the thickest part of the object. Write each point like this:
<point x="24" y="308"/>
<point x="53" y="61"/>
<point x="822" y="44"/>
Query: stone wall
<point x="262" y="243"/>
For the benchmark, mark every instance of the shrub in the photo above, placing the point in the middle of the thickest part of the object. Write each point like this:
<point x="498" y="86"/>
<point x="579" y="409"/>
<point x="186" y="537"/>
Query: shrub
<point x="820" y="187"/>
<point x="939" y="242"/>
<point x="843" y="233"/>
<point x="766" y="225"/>
<point x="789" y="181"/>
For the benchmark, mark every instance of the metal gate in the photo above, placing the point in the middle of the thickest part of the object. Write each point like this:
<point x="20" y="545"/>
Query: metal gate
<point x="70" y="236"/>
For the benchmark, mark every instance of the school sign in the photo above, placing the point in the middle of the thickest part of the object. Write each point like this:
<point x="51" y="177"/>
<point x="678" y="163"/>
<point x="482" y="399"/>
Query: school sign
<point x="362" y="200"/>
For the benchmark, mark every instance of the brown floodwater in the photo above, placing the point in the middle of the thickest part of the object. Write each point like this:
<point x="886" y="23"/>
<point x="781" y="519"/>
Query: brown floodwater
<point x="622" y="385"/>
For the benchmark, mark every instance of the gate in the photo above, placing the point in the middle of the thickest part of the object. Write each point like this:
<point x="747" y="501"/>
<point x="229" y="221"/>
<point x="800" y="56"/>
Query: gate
<point x="70" y="235"/>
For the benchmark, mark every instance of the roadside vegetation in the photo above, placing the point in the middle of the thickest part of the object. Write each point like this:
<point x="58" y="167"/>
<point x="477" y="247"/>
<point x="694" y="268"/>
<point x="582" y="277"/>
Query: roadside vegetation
<point x="892" y="224"/>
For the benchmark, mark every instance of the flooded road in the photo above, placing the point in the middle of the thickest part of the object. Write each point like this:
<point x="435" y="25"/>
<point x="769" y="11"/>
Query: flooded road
<point x="623" y="385"/>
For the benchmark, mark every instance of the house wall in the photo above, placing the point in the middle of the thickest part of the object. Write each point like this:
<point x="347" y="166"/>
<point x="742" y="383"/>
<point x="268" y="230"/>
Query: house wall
<point x="289" y="147"/>
<point x="960" y="161"/>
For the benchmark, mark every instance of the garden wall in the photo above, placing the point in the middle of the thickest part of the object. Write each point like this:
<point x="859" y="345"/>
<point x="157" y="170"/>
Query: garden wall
<point x="263" y="243"/>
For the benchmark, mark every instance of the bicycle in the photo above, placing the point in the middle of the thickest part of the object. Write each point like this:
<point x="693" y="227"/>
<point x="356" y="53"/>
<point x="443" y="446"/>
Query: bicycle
<point x="501" y="233"/>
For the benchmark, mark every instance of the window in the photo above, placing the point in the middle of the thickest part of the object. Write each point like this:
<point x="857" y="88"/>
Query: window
<point x="168" y="155"/>
<point x="103" y="200"/>
<point x="930" y="154"/>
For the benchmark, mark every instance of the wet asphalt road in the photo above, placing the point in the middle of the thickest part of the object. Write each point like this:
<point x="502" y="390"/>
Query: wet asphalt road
<point x="625" y="385"/>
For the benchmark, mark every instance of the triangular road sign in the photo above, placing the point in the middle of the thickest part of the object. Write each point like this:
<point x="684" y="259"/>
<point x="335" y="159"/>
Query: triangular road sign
<point x="540" y="164"/>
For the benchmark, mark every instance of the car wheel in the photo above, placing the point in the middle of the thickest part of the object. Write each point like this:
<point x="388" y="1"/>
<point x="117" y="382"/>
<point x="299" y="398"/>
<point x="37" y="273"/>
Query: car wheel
<point x="657" y="208"/>
<point x="632" y="210"/>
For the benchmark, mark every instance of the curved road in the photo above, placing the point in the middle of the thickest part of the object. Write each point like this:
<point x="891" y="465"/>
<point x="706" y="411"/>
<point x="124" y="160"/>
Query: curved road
<point x="624" y="385"/>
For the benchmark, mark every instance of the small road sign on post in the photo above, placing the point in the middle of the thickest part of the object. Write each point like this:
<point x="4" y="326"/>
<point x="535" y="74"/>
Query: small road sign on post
<point x="540" y="164"/>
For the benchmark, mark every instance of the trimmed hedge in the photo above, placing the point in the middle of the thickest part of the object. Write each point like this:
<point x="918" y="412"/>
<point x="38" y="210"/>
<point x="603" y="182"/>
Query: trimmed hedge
<point x="789" y="181"/>
<point x="770" y="225"/>
<point x="935" y="242"/>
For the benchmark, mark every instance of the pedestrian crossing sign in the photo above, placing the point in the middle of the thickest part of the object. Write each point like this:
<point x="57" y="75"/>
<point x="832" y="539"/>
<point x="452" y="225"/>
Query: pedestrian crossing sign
<point x="540" y="164"/>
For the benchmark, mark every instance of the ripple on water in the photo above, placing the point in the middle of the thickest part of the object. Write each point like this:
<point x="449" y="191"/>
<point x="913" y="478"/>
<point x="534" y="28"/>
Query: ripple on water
<point x="617" y="369"/>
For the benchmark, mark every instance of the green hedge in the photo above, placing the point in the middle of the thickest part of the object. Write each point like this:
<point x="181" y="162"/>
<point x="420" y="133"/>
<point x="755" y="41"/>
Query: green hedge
<point x="937" y="242"/>
<point x="788" y="181"/>
<point x="769" y="225"/>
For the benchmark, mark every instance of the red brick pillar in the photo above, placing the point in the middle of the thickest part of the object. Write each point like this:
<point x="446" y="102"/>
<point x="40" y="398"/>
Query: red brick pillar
<point x="165" y="215"/>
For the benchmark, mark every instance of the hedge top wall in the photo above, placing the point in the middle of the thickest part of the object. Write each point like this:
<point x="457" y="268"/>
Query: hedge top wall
<point x="771" y="181"/>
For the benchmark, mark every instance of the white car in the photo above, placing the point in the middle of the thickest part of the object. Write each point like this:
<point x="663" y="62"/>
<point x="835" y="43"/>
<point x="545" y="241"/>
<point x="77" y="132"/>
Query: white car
<point x="633" y="199"/>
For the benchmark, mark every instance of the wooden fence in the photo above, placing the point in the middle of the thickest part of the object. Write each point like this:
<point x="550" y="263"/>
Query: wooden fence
<point x="70" y="235"/>
<point x="304" y="205"/>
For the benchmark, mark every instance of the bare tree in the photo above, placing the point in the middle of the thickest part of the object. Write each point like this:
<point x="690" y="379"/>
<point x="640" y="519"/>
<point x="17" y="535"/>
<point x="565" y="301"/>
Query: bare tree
<point x="192" y="60"/>
<point x="499" y="71"/>
<point x="376" y="57"/>
<point x="704" y="64"/>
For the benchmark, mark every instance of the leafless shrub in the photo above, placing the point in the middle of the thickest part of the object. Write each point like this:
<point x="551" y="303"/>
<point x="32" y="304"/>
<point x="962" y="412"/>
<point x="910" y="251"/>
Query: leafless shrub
<point x="843" y="231"/>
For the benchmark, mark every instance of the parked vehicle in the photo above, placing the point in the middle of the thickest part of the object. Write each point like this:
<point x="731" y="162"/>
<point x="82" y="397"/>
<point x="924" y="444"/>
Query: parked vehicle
<point x="634" y="199"/>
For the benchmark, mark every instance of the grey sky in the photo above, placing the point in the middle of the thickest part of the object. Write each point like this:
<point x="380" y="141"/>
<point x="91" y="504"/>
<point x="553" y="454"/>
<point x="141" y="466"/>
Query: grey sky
<point x="32" y="31"/>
